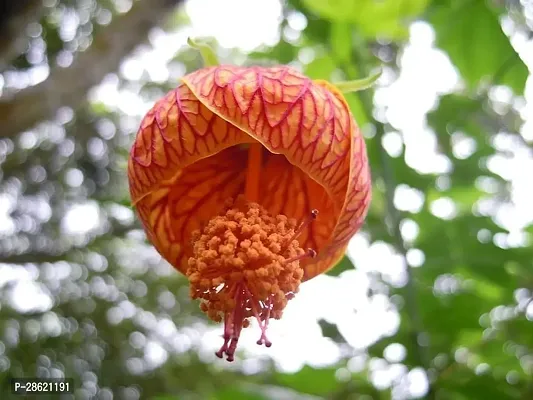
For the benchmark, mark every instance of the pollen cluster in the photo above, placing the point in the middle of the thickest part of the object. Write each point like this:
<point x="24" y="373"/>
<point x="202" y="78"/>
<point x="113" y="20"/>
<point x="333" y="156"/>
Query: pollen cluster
<point x="245" y="264"/>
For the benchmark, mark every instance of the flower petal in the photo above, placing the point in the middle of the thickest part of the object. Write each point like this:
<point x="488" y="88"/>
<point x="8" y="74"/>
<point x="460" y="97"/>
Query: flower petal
<point x="353" y="213"/>
<point x="357" y="201"/>
<point x="181" y="205"/>
<point x="176" y="132"/>
<point x="286" y="189"/>
<point x="307" y="122"/>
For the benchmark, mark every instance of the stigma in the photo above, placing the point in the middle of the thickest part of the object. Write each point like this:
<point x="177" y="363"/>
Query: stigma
<point x="246" y="264"/>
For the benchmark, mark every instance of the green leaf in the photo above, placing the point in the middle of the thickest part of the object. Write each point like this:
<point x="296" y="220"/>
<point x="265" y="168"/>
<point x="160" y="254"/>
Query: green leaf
<point x="464" y="197"/>
<point x="454" y="243"/>
<point x="283" y="52"/>
<point x="473" y="120"/>
<point x="386" y="18"/>
<point x="231" y="393"/>
<point x="341" y="44"/>
<point x="321" y="68"/>
<point x="478" y="46"/>
<point x="452" y="112"/>
<point x="331" y="331"/>
<point x="462" y="383"/>
<point x="310" y="380"/>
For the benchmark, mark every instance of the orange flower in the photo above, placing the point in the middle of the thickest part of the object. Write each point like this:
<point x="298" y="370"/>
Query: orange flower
<point x="225" y="166"/>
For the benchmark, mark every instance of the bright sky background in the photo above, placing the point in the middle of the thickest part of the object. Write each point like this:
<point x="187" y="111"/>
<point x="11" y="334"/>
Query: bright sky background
<point x="426" y="73"/>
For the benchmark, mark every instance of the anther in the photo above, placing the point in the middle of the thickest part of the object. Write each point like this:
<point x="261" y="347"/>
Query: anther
<point x="310" y="218"/>
<point x="309" y="253"/>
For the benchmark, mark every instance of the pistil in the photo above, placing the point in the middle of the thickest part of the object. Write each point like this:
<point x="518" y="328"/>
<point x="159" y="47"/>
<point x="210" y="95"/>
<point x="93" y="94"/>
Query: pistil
<point x="253" y="172"/>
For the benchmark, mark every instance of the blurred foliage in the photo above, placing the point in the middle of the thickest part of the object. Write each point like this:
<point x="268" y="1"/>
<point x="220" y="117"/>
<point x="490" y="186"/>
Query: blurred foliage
<point x="97" y="305"/>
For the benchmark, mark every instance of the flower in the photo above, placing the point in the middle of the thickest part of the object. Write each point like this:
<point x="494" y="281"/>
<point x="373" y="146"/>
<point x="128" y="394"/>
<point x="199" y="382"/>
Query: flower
<point x="228" y="173"/>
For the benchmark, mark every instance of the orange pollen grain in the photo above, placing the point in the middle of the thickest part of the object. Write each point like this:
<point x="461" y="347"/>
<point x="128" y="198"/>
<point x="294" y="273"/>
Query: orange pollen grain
<point x="245" y="263"/>
<point x="253" y="172"/>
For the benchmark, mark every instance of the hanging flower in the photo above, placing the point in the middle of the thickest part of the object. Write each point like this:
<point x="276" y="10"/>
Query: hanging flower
<point x="249" y="180"/>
